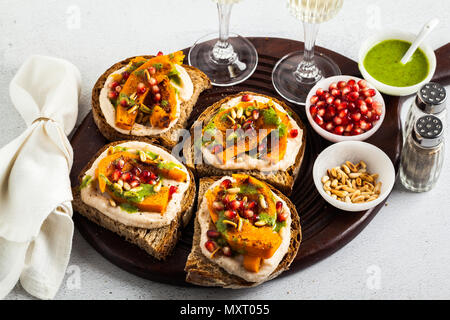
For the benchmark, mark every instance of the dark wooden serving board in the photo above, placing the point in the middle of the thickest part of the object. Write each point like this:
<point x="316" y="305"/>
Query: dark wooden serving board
<point x="325" y="228"/>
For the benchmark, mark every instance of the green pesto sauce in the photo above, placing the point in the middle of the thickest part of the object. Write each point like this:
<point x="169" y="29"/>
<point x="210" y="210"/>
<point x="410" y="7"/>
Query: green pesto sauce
<point x="383" y="63"/>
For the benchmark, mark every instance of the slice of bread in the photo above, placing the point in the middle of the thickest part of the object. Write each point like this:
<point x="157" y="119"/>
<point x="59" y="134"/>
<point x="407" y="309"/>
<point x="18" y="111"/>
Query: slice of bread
<point x="156" y="242"/>
<point x="201" y="271"/>
<point x="282" y="180"/>
<point x="168" y="138"/>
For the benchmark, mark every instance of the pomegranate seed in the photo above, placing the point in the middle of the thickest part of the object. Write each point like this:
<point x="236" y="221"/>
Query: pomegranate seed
<point x="251" y="205"/>
<point x="337" y="120"/>
<point x="348" y="127"/>
<point x="313" y="109"/>
<point x="375" y="117"/>
<point x="141" y="88"/>
<point x="118" y="89"/>
<point x="113" y="84"/>
<point x="282" y="216"/>
<point x="172" y="190"/>
<point x="230" y="214"/>
<point x="355" y="88"/>
<point x="320" y="92"/>
<point x="321" y="104"/>
<point x="159" y="53"/>
<point x="321" y="112"/>
<point x="145" y="175"/>
<point x="352" y="107"/>
<point x="332" y="86"/>
<point x="356" y="131"/>
<point x="113" y="95"/>
<point x="279" y="206"/>
<point x="364" y="125"/>
<point x="116" y="175"/>
<point x="136" y="171"/>
<point x="339" y="130"/>
<point x="343" y="113"/>
<point x="157" y="97"/>
<point x="377" y="107"/>
<point x="368" y="101"/>
<point x="314" y="99"/>
<point x="126" y="177"/>
<point x="151" y="70"/>
<point x="362" y="83"/>
<point x="227" y="251"/>
<point x="341" y="84"/>
<point x="326" y="95"/>
<point x="337" y="102"/>
<point x="336" y="92"/>
<point x="351" y="82"/>
<point x="369" y="92"/>
<point x="213" y="234"/>
<point x="342" y="106"/>
<point x="363" y="108"/>
<point x="353" y="96"/>
<point x="155" y="89"/>
<point x="134" y="184"/>
<point x="248" y="213"/>
<point x="226" y="184"/>
<point x="356" y="116"/>
<point x="318" y="119"/>
<point x="120" y="163"/>
<point x="247" y="97"/>
<point x="293" y="133"/>
<point x="346" y="90"/>
<point x="329" y="126"/>
<point x="124" y="103"/>
<point x="331" y="110"/>
<point x="210" y="245"/>
<point x="125" y="75"/>
<point x="234" y="205"/>
<point x="330" y="100"/>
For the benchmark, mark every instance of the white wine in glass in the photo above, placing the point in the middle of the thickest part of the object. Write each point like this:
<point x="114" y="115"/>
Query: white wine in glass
<point x="226" y="58"/>
<point x="296" y="73"/>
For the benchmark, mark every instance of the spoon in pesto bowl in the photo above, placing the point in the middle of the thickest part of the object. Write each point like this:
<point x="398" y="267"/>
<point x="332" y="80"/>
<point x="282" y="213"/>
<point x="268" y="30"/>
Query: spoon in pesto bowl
<point x="426" y="30"/>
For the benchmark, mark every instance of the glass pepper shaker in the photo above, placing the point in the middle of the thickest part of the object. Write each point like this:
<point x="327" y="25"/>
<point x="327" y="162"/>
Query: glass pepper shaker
<point x="430" y="99"/>
<point x="423" y="154"/>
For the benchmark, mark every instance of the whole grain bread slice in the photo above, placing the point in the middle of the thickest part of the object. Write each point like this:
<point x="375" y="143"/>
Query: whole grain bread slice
<point x="201" y="271"/>
<point x="283" y="180"/>
<point x="168" y="138"/>
<point x="157" y="242"/>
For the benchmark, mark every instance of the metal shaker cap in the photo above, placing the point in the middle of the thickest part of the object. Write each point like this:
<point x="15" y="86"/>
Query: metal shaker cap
<point x="428" y="131"/>
<point x="431" y="98"/>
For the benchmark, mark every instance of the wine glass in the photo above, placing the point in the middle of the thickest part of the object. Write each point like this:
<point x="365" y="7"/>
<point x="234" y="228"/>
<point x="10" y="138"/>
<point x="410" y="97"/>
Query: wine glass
<point x="227" y="60"/>
<point x="297" y="72"/>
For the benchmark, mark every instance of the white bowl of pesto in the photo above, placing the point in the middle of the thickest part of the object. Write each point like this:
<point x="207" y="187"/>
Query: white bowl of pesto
<point x="379" y="63"/>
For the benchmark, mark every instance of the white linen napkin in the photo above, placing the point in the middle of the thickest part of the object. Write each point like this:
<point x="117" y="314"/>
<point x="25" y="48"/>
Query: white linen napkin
<point x="36" y="226"/>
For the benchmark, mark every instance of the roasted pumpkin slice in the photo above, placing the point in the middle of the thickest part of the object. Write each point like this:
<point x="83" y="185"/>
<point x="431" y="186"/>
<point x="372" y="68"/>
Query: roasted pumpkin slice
<point x="105" y="166"/>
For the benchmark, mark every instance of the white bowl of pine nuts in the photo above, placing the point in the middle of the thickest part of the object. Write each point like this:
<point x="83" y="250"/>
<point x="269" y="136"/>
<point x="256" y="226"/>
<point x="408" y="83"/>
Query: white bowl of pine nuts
<point x="353" y="175"/>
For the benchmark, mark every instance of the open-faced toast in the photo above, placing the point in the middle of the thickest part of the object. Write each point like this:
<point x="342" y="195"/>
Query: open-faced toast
<point x="105" y="112"/>
<point x="158" y="241"/>
<point x="282" y="178"/>
<point x="204" y="272"/>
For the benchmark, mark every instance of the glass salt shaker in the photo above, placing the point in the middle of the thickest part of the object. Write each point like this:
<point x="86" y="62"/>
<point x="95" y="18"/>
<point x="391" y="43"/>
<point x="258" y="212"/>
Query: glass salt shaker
<point x="423" y="154"/>
<point x="430" y="99"/>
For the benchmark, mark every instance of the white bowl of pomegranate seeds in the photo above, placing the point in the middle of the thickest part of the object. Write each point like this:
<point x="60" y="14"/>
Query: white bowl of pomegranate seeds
<point x="345" y="108"/>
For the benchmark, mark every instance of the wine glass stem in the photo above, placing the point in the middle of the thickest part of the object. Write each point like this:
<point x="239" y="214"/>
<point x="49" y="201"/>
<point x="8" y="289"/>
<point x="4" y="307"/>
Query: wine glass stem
<point x="306" y="70"/>
<point x="223" y="51"/>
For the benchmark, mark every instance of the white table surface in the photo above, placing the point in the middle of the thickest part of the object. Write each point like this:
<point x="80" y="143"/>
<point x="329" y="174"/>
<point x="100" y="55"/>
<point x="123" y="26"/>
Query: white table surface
<point x="403" y="253"/>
